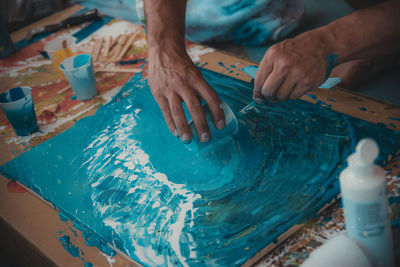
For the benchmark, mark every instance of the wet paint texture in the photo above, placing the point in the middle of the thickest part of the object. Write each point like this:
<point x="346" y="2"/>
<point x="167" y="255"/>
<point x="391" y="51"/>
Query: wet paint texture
<point x="121" y="175"/>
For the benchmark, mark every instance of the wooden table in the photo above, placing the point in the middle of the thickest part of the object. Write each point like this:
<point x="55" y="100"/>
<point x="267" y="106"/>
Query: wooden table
<point x="31" y="228"/>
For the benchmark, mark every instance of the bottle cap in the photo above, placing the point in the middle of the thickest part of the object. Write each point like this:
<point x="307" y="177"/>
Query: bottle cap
<point x="366" y="152"/>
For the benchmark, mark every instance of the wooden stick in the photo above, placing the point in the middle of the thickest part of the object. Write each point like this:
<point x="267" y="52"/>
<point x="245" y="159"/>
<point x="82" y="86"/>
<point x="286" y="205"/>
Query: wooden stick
<point x="96" y="49"/>
<point x="107" y="46"/>
<point x="118" y="70"/>
<point x="117" y="49"/>
<point x="115" y="40"/>
<point x="126" y="47"/>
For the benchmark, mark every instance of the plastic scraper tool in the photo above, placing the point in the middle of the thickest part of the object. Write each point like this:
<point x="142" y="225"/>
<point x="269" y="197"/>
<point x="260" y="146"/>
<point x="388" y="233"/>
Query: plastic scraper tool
<point x="231" y="127"/>
<point x="252" y="70"/>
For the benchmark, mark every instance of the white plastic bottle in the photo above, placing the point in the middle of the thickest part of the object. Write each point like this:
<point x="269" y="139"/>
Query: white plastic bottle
<point x="363" y="187"/>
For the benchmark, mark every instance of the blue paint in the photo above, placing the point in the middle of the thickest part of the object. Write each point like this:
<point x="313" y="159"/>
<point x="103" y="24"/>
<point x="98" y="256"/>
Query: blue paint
<point x="126" y="179"/>
<point x="70" y="248"/>
<point x="73" y="250"/>
<point x="91" y="28"/>
<point x="394" y="119"/>
<point x="132" y="61"/>
<point x="225" y="67"/>
<point x="17" y="104"/>
<point x="332" y="100"/>
<point x="318" y="101"/>
<point x="395" y="223"/>
<point x="393" y="200"/>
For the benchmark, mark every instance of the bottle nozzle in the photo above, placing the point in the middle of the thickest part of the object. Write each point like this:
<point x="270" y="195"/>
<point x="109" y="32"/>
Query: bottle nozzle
<point x="366" y="152"/>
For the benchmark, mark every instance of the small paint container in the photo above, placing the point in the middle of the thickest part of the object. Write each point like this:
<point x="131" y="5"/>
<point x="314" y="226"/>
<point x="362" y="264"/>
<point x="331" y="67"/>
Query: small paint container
<point x="17" y="104"/>
<point x="79" y="72"/>
<point x="216" y="134"/>
<point x="57" y="53"/>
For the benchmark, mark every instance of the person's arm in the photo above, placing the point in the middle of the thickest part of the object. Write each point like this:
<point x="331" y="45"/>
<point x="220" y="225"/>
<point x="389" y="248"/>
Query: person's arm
<point x="173" y="77"/>
<point x="291" y="68"/>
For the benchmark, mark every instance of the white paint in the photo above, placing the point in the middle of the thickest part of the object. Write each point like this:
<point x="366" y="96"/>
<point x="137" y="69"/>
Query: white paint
<point x="32" y="62"/>
<point x="45" y="129"/>
<point x="134" y="159"/>
<point x="109" y="95"/>
<point x="114" y="29"/>
<point x="196" y="51"/>
<point x="109" y="259"/>
<point x="140" y="43"/>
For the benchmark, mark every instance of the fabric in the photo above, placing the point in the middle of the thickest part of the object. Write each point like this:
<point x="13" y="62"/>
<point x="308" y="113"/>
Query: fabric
<point x="249" y="22"/>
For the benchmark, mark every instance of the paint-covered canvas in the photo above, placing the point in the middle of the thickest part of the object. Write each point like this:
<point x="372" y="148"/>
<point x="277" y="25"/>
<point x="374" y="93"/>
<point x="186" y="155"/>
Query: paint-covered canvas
<point x="122" y="176"/>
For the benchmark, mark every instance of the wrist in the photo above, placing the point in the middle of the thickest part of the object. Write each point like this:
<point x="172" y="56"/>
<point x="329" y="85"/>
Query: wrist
<point x="168" y="47"/>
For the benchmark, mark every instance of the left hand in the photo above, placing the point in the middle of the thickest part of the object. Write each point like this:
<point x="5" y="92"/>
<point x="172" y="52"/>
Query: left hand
<point x="291" y="68"/>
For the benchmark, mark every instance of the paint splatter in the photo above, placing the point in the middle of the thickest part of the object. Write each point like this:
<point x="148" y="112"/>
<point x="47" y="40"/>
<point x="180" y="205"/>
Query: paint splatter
<point x="13" y="187"/>
<point x="394" y="119"/>
<point x="65" y="241"/>
<point x="225" y="67"/>
<point x="121" y="174"/>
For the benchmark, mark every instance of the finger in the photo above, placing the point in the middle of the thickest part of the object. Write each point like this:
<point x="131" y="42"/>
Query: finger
<point x="298" y="91"/>
<point x="272" y="83"/>
<point x="164" y="106"/>
<point x="264" y="70"/>
<point x="213" y="101"/>
<point x="179" y="118"/>
<point x="193" y="104"/>
<point x="285" y="89"/>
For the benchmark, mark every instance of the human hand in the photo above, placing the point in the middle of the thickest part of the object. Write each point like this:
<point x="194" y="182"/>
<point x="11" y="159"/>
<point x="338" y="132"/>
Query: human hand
<point x="174" y="78"/>
<point x="292" y="67"/>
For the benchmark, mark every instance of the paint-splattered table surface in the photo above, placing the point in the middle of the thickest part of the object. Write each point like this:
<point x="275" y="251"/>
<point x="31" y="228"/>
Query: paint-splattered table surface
<point x="57" y="110"/>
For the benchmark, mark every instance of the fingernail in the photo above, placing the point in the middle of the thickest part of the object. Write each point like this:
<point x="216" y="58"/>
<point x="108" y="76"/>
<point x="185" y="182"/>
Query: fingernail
<point x="266" y="92"/>
<point x="185" y="138"/>
<point x="204" y="137"/>
<point x="176" y="134"/>
<point x="259" y="100"/>
<point x="220" y="124"/>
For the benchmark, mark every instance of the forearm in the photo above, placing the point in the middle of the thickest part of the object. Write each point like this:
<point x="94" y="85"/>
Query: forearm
<point x="371" y="32"/>
<point x="165" y="21"/>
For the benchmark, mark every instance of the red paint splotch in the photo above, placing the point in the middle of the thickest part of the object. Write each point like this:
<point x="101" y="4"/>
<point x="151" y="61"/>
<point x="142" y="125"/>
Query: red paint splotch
<point x="66" y="104"/>
<point x="47" y="117"/>
<point x="13" y="187"/>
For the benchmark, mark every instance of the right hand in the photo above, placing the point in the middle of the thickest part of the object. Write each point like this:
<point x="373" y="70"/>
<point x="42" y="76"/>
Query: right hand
<point x="174" y="78"/>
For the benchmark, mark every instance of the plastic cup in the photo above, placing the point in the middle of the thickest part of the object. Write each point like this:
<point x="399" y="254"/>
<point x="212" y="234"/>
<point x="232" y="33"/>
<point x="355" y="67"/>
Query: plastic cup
<point x="216" y="134"/>
<point x="17" y="104"/>
<point x="79" y="73"/>
<point x="57" y="53"/>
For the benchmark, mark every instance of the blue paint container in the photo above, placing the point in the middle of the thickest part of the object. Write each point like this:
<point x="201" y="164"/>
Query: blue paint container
<point x="17" y="104"/>
<point x="216" y="134"/>
<point x="78" y="70"/>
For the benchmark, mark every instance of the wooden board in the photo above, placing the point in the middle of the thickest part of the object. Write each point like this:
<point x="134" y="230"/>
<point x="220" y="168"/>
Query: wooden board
<point x="40" y="224"/>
